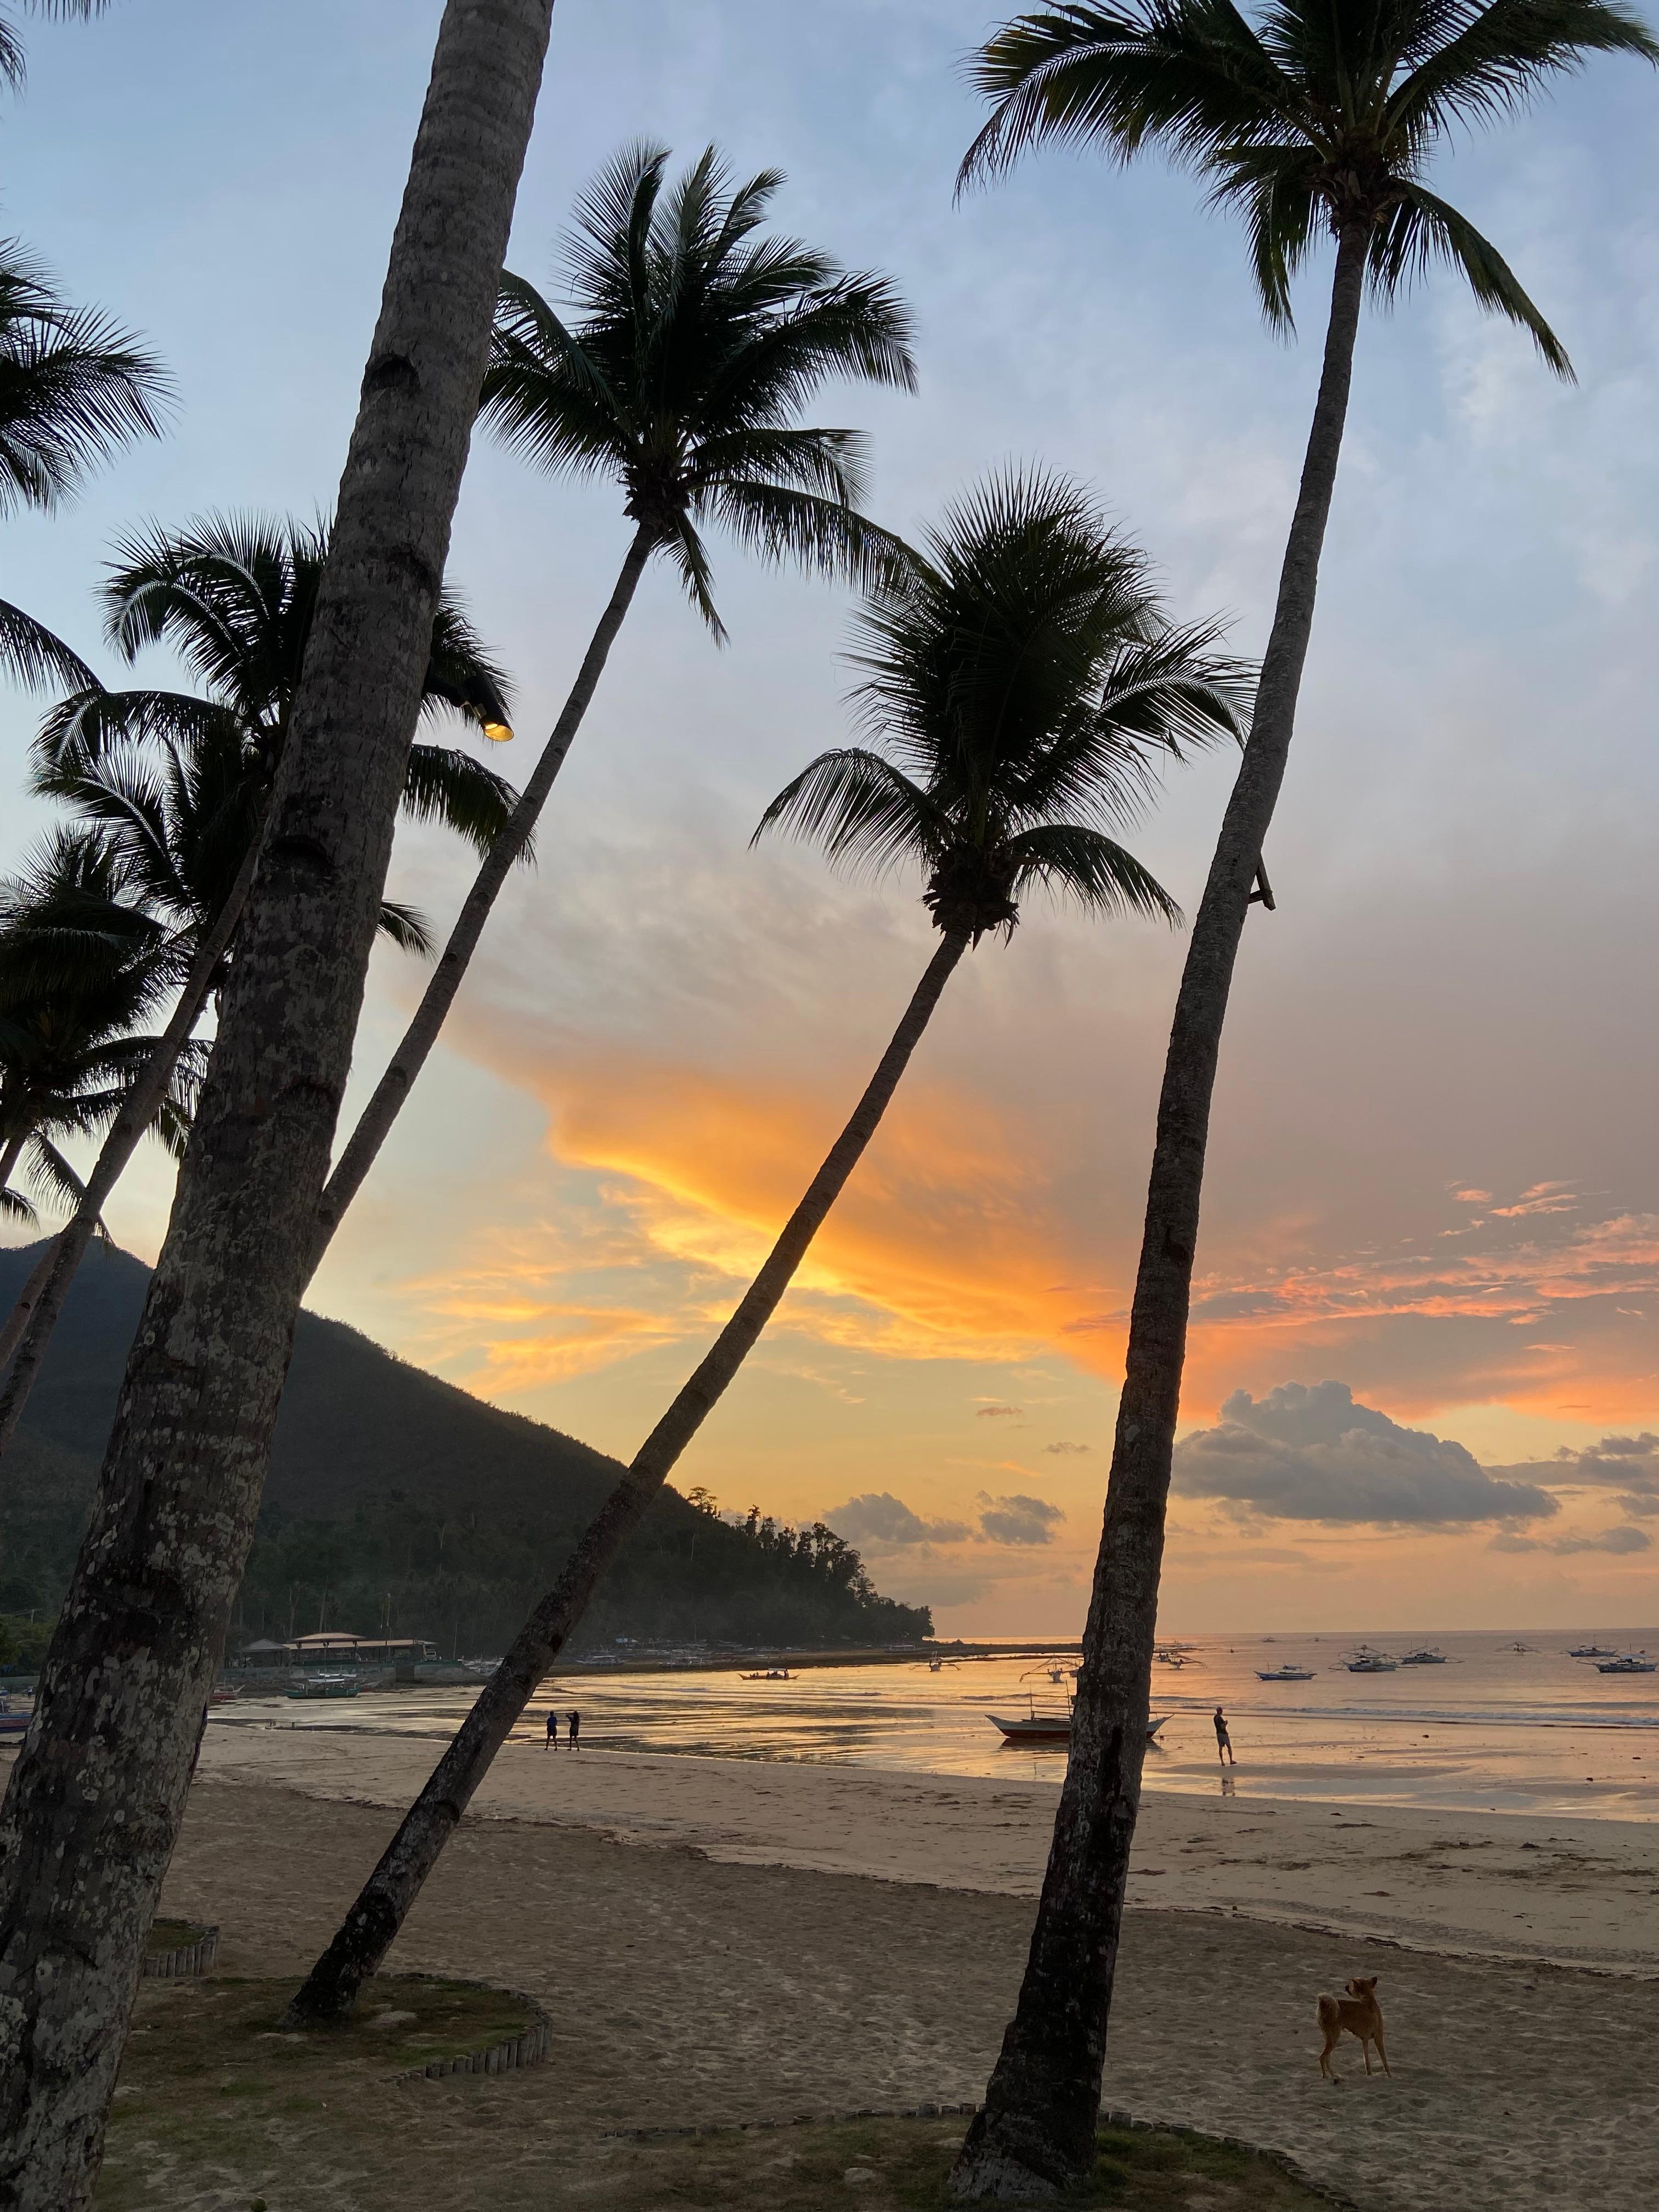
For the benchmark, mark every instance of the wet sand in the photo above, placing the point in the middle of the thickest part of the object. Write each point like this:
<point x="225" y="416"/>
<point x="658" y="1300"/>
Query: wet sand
<point x="1580" y="1892"/>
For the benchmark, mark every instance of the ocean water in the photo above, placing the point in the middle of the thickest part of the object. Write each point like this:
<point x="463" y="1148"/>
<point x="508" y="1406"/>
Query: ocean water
<point x="1508" y="1724"/>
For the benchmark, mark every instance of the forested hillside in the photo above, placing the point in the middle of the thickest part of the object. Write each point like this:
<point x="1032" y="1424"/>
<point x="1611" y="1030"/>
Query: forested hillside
<point x="398" y="1504"/>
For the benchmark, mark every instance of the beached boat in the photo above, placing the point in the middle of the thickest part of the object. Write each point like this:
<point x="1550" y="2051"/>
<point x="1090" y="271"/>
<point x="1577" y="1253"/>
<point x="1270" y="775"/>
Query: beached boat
<point x="1629" y="1662"/>
<point x="324" y="1685"/>
<point x="1285" y="1675"/>
<point x="1052" y="1728"/>
<point x="14" y="1719"/>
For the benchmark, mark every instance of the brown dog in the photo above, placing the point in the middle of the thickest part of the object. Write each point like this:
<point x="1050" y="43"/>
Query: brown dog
<point x="1360" y="2015"/>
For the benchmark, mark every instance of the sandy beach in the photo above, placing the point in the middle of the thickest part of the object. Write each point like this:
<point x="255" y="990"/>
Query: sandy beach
<point x="1578" y="1892"/>
<point x="721" y="1941"/>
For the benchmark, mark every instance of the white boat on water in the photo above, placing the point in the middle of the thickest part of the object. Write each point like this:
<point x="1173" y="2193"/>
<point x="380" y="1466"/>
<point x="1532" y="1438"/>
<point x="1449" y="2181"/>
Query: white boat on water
<point x="1285" y="1675"/>
<point x="1628" y="1663"/>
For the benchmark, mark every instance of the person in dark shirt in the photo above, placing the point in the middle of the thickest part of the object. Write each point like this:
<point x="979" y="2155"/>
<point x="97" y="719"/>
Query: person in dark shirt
<point x="552" y="1731"/>
<point x="575" y="1731"/>
<point x="1224" y="1742"/>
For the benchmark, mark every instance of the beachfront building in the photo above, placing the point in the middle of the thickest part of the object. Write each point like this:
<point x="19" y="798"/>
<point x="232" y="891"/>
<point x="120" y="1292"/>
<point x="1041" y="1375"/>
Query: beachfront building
<point x="334" y="1651"/>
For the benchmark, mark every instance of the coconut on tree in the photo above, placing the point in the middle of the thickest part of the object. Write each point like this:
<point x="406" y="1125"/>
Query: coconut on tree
<point x="686" y="344"/>
<point x="1019" y="685"/>
<point x="1317" y="124"/>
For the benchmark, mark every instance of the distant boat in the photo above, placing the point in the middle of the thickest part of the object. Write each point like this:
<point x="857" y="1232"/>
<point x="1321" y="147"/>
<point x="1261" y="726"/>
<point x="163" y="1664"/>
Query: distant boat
<point x="1371" y="1662"/>
<point x="1052" y="1728"/>
<point x="772" y="1674"/>
<point x="1630" y="1662"/>
<point x="1285" y="1675"/>
<point x="1424" y="1658"/>
<point x="1591" y="1651"/>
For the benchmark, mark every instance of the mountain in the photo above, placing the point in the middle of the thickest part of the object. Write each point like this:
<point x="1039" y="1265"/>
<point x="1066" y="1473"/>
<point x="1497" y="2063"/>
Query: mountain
<point x="398" y="1504"/>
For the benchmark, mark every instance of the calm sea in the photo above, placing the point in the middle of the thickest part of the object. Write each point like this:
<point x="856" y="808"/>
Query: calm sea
<point x="1508" y="1722"/>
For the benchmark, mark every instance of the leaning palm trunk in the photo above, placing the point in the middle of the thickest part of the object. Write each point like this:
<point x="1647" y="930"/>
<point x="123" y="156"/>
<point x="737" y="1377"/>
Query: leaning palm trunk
<point x="375" y="1125"/>
<point x="368" y="1929"/>
<point x="1037" y="2131"/>
<point x="35" y="1316"/>
<point x="94" y="1804"/>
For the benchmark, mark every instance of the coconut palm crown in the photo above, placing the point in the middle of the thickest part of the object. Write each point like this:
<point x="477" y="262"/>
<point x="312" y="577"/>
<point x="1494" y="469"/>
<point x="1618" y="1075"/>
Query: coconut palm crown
<point x="81" y="965"/>
<point x="1020" y="681"/>
<point x="74" y="389"/>
<point x="691" y="344"/>
<point x="1312" y="116"/>
<point x="179" y="781"/>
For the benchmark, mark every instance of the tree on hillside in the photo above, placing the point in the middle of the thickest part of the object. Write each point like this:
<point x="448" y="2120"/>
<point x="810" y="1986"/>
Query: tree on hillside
<point x="93" y="1805"/>
<point x="1312" y="122"/>
<point x="695" y="343"/>
<point x="1019" y="681"/>
<point x="175" y="785"/>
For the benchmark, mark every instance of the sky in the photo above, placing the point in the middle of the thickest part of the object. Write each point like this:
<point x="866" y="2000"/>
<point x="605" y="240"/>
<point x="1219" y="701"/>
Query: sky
<point x="1423" y="1386"/>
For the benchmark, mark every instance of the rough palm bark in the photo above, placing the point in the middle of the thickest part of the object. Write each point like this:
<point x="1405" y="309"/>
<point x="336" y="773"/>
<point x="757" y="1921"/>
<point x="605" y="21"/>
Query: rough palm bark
<point x="95" y="1800"/>
<point x="368" y="1929"/>
<point x="1035" y="2133"/>
<point x="30" y="1327"/>
<point x="375" y="1125"/>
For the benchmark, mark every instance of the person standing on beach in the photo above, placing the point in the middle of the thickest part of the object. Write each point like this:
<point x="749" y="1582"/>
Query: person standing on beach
<point x="552" y="1743"/>
<point x="1224" y="1742"/>
<point x="576" y="1731"/>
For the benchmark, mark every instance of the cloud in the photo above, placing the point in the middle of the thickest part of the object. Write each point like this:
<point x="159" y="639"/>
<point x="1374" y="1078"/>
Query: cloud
<point x="1000" y="1413"/>
<point x="1303" y="1453"/>
<point x="1629" y="1464"/>
<point x="1017" y="1520"/>
<point x="1063" y="1448"/>
<point x="1619" y="1539"/>
<point x="879" y="1518"/>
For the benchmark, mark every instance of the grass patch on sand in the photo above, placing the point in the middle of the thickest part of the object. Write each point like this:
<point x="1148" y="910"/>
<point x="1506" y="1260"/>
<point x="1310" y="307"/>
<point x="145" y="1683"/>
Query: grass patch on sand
<point x="210" y="2078"/>
<point x="900" y="2165"/>
<point x="173" y="1935"/>
<point x="219" y="2109"/>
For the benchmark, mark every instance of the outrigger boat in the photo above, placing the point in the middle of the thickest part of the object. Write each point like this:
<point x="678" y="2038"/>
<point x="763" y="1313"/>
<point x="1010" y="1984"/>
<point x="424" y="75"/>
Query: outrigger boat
<point x="1422" y="1658"/>
<point x="1592" y="1651"/>
<point x="1630" y="1662"/>
<point x="1285" y="1675"/>
<point x="1052" y="1728"/>
<point x="772" y="1674"/>
<point x="1365" y="1661"/>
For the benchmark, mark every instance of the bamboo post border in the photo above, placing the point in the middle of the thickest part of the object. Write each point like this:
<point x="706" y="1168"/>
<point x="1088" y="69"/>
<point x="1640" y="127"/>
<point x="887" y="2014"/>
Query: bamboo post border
<point x="189" y="1961"/>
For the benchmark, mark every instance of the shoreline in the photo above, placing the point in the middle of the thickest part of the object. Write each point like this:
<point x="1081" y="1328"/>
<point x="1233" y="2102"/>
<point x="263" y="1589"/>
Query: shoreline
<point x="1568" y="1890"/>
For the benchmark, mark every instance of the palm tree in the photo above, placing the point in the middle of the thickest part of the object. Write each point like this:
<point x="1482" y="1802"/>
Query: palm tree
<point x="1019" y="681"/>
<point x="1312" y="121"/>
<point x="695" y="341"/>
<point x="176" y="785"/>
<point x="79" y="965"/>
<point x="93" y="1805"/>
<point x="74" y="389"/>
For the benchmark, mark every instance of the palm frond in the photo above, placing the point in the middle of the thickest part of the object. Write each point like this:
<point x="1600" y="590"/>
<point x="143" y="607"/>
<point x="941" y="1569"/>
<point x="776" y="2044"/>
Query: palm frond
<point x="1501" y="56"/>
<point x="825" y="535"/>
<point x="73" y="388"/>
<point x="442" y="784"/>
<point x="1422" y="229"/>
<point x="34" y="657"/>
<point x="409" y="931"/>
<point x="1071" y="861"/>
<point x="867" y="814"/>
